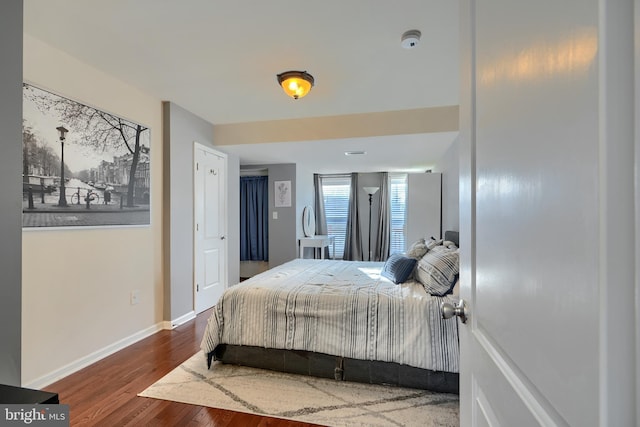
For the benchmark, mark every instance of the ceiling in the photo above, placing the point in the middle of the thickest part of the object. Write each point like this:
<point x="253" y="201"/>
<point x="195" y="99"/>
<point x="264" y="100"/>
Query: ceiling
<point x="219" y="60"/>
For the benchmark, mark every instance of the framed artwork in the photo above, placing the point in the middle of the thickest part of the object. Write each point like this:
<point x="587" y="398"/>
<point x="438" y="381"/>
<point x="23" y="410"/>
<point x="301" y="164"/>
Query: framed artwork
<point x="82" y="167"/>
<point x="282" y="194"/>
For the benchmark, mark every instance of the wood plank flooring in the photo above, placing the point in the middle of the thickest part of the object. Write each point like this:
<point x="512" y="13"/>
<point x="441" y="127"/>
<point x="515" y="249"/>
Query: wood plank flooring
<point x="105" y="393"/>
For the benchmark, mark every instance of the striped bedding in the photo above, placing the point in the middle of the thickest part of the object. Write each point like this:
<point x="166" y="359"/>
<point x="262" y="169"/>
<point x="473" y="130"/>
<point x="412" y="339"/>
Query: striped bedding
<point x="340" y="308"/>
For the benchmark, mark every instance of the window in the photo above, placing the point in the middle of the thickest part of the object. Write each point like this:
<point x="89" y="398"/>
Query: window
<point x="398" y="196"/>
<point x="336" y="191"/>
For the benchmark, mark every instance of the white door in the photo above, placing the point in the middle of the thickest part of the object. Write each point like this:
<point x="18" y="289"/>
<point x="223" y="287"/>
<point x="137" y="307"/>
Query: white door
<point x="210" y="257"/>
<point x="547" y="214"/>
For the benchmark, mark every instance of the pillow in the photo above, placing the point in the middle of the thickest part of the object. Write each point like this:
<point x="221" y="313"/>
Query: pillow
<point x="449" y="244"/>
<point x="432" y="243"/>
<point x="398" y="268"/>
<point x="455" y="291"/>
<point x="417" y="249"/>
<point x="438" y="271"/>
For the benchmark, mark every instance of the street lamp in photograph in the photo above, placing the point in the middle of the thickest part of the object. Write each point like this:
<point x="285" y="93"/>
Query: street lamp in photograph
<point x="62" y="131"/>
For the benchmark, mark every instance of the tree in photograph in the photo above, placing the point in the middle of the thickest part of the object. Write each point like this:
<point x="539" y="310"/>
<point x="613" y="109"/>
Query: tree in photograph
<point x="95" y="128"/>
<point x="37" y="158"/>
<point x="28" y="150"/>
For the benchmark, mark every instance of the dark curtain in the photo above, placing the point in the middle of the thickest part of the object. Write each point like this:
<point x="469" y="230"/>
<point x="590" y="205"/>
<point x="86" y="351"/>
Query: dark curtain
<point x="383" y="242"/>
<point x="254" y="218"/>
<point x="353" y="239"/>
<point x="321" y="216"/>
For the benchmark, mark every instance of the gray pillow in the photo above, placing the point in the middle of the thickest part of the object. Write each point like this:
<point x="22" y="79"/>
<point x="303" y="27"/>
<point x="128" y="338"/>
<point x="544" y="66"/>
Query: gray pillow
<point x="438" y="270"/>
<point x="398" y="268"/>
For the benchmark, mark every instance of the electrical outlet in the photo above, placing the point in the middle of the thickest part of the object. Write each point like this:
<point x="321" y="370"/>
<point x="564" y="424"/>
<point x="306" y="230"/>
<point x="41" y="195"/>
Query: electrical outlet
<point x="275" y="214"/>
<point x="135" y="297"/>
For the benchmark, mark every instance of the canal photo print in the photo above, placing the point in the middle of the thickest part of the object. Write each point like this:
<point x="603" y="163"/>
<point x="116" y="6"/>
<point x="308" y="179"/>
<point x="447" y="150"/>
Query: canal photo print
<point x="82" y="167"/>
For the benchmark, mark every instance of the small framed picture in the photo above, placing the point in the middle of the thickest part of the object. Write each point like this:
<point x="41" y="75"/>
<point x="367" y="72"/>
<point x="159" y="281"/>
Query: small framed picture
<point x="282" y="194"/>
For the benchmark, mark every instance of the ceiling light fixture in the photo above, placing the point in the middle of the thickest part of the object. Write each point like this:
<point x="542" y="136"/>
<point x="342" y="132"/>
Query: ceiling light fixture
<point x="296" y="84"/>
<point x="354" y="153"/>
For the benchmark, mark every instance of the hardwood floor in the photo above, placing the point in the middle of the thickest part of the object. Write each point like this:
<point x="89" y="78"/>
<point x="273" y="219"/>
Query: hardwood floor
<point x="105" y="393"/>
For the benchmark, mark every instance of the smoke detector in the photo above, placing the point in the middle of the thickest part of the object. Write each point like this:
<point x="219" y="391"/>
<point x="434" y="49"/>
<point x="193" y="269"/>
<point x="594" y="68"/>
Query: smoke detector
<point x="410" y="39"/>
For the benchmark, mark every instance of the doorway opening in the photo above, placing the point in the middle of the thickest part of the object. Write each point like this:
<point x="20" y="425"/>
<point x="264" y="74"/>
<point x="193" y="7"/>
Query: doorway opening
<point x="254" y="222"/>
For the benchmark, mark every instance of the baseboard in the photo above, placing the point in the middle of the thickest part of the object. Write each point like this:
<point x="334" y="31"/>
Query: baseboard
<point x="180" y="320"/>
<point x="83" y="362"/>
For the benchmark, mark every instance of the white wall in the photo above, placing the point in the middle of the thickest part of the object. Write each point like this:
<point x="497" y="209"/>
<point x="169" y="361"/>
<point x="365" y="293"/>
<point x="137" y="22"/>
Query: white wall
<point x="424" y="212"/>
<point x="76" y="283"/>
<point x="304" y="195"/>
<point x="449" y="166"/>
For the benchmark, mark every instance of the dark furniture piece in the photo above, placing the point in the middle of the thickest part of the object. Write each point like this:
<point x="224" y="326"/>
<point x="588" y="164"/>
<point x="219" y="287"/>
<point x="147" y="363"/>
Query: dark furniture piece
<point x="19" y="395"/>
<point x="335" y="367"/>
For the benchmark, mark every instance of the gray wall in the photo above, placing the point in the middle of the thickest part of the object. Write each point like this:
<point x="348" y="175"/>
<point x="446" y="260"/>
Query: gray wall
<point x="283" y="240"/>
<point x="11" y="191"/>
<point x="180" y="130"/>
<point x="449" y="166"/>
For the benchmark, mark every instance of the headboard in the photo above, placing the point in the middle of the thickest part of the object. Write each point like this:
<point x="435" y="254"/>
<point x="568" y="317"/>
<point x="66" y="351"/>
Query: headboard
<point x="452" y="236"/>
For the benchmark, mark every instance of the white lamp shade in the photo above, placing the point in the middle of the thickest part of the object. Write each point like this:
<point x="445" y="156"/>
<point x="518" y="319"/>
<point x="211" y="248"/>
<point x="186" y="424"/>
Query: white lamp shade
<point x="371" y="190"/>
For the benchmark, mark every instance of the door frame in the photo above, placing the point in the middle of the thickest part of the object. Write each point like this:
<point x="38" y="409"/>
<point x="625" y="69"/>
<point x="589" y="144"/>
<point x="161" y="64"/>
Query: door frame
<point x="198" y="146"/>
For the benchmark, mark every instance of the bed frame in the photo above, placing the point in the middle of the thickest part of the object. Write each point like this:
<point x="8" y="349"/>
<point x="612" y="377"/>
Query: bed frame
<point x="339" y="368"/>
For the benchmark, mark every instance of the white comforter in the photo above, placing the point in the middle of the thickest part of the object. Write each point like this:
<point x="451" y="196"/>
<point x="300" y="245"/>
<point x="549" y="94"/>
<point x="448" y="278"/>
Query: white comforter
<point x="341" y="308"/>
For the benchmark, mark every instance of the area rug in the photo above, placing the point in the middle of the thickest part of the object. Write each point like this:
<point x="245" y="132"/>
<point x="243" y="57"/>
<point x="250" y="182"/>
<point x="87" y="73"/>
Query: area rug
<point x="302" y="398"/>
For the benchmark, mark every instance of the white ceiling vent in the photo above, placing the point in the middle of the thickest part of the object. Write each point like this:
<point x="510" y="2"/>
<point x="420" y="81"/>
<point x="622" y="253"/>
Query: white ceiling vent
<point x="410" y="39"/>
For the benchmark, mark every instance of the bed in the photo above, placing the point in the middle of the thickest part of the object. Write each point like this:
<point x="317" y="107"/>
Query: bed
<point x="337" y="319"/>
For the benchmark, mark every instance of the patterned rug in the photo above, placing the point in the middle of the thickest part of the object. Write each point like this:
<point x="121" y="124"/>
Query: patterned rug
<point x="302" y="398"/>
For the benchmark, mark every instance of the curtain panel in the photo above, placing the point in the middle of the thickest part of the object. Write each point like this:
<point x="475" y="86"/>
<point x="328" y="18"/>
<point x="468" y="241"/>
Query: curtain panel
<point x="353" y="239"/>
<point x="383" y="242"/>
<point x="254" y="218"/>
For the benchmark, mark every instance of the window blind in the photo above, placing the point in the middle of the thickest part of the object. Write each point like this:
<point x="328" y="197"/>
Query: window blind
<point x="336" y="204"/>
<point x="398" y="196"/>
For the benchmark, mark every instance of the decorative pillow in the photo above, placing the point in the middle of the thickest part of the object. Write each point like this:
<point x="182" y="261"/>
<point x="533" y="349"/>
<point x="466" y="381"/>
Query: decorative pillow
<point x="432" y="242"/>
<point x="438" y="271"/>
<point x="455" y="291"/>
<point x="449" y="245"/>
<point x="398" y="268"/>
<point x="417" y="249"/>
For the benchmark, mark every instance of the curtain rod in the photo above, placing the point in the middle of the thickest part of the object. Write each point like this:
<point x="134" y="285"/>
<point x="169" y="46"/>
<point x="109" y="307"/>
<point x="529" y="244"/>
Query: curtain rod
<point x="254" y="172"/>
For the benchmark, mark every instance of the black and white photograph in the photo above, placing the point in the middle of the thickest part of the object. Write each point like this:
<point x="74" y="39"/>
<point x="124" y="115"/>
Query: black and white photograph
<point x="82" y="167"/>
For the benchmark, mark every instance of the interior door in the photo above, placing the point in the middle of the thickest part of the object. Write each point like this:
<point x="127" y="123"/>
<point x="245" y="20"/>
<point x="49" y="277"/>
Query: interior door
<point x="210" y="271"/>
<point x="547" y="215"/>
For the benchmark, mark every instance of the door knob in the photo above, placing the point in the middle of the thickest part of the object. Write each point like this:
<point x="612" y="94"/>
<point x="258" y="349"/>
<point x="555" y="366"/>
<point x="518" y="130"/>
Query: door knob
<point x="448" y="310"/>
<point x="221" y="237"/>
